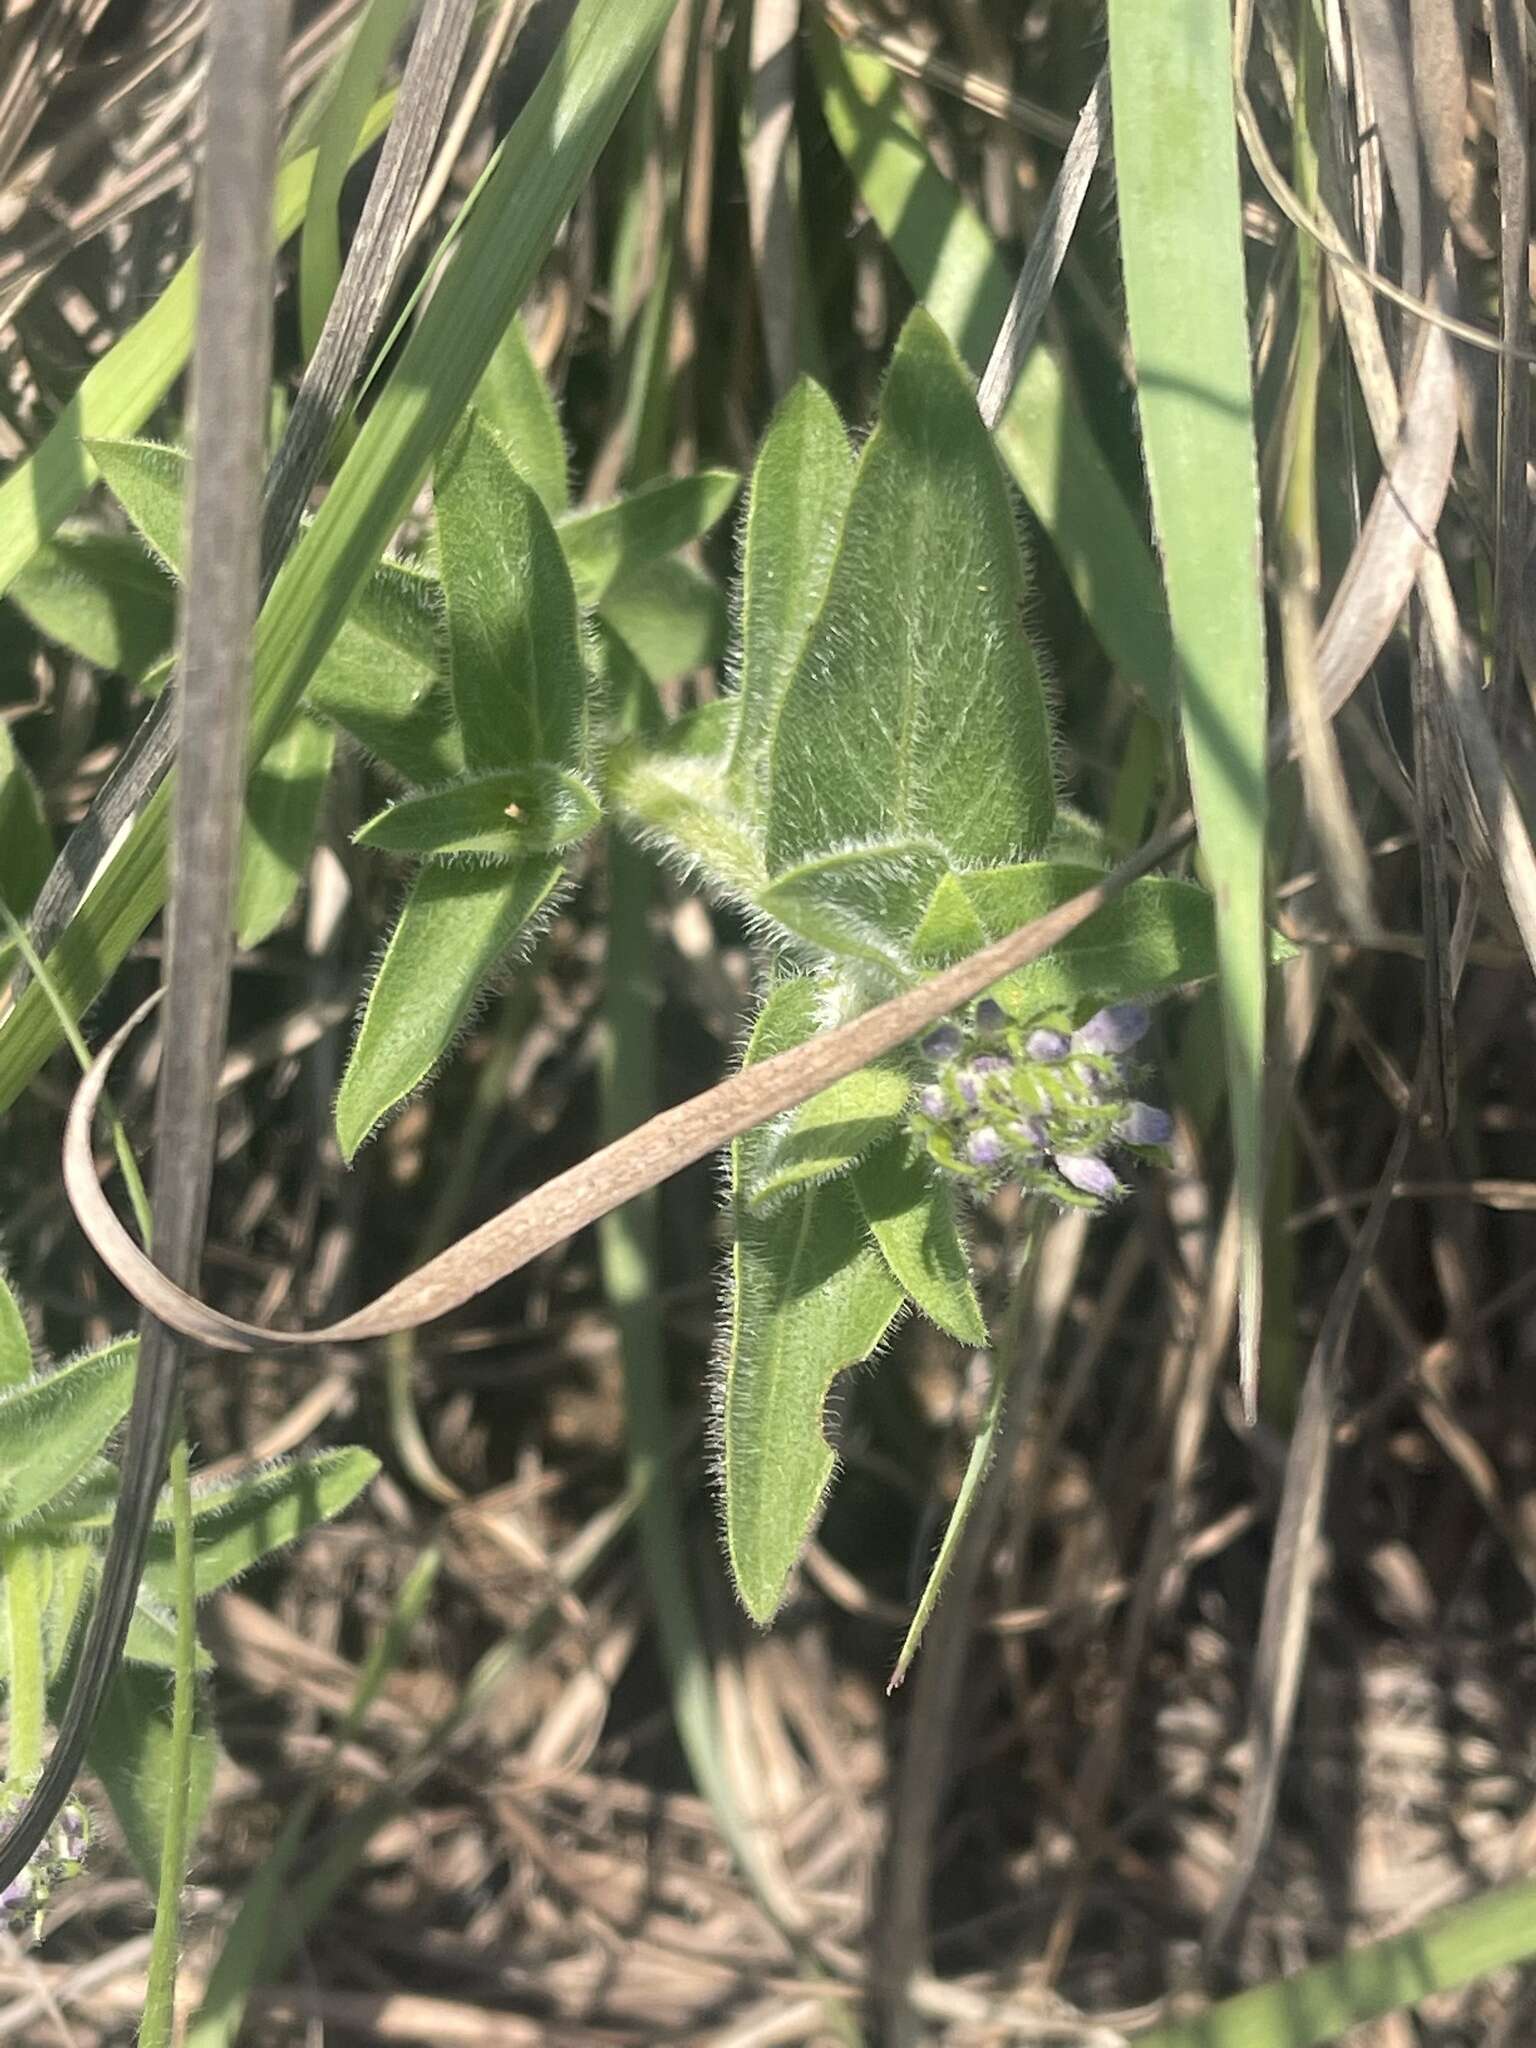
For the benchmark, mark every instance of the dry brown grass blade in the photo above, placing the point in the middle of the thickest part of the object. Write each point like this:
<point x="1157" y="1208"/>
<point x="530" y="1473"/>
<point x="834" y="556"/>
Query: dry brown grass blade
<point x="608" y="1178"/>
<point x="1508" y="38"/>
<point x="231" y="366"/>
<point x="770" y="208"/>
<point x="1382" y="57"/>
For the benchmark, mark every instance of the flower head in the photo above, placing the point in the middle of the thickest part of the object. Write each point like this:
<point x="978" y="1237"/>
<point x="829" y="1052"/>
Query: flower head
<point x="1046" y="1045"/>
<point x="1143" y="1124"/>
<point x="1112" y="1030"/>
<point x="1088" y="1175"/>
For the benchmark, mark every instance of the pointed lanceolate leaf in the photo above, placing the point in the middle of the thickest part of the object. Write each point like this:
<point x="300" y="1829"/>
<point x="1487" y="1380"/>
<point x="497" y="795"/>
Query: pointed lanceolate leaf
<point x="800" y="487"/>
<point x="152" y="1637"/>
<point x="148" y="480"/>
<point x="15" y="1344"/>
<point x="507" y="812"/>
<point x="916" y="708"/>
<point x="516" y="401"/>
<point x="261" y="1514"/>
<point x="911" y="1214"/>
<point x="861" y="903"/>
<point x="53" y="1427"/>
<point x="26" y="845"/>
<point x="670" y="616"/>
<point x="457" y="925"/>
<point x="1156" y="934"/>
<point x="102" y="597"/>
<point x="519" y="681"/>
<point x="131" y="1752"/>
<point x="675" y="794"/>
<point x="618" y="539"/>
<point x="810" y="1296"/>
<point x="824" y="1136"/>
<point x="282" y="817"/>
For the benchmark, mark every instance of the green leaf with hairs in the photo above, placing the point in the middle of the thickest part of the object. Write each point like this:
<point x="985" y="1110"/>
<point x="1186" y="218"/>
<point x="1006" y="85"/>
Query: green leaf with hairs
<point x="799" y="496"/>
<point x="676" y="795"/>
<point x="514" y="399"/>
<point x="103" y="598"/>
<point x="910" y="1210"/>
<point x="26" y="844"/>
<point x="617" y="540"/>
<point x="520" y="685"/>
<point x="131" y="1752"/>
<point x="508" y="812"/>
<point x="670" y="616"/>
<point x="53" y="1426"/>
<point x="15" y="1344"/>
<point x="915" y="710"/>
<point x="282" y="818"/>
<point x="862" y="903"/>
<point x="457" y="926"/>
<point x="264" y="1512"/>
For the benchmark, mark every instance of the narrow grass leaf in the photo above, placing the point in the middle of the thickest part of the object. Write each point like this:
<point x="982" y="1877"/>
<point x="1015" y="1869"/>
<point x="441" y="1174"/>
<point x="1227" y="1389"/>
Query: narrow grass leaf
<point x="457" y="925"/>
<point x="282" y="819"/>
<point x="957" y="271"/>
<point x="799" y="496"/>
<point x="519" y="683"/>
<point x="53" y="1427"/>
<point x="517" y="403"/>
<point x="507" y="812"/>
<point x="1181" y="238"/>
<point x="616" y="540"/>
<point x="911" y="1216"/>
<point x="916" y="707"/>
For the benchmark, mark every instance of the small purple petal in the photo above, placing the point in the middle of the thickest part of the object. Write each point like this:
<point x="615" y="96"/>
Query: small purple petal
<point x="1046" y="1045"/>
<point x="1091" y="1176"/>
<point x="985" y="1147"/>
<point x="17" y="1895"/>
<point x="932" y="1101"/>
<point x="1143" y="1124"/>
<point x="1115" y="1029"/>
<point x="990" y="1016"/>
<point x="1031" y="1134"/>
<point x="991" y="1063"/>
<point x="965" y="1081"/>
<point x="943" y="1042"/>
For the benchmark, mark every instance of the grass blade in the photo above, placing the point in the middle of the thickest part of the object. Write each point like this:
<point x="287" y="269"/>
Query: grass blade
<point x="1182" y="250"/>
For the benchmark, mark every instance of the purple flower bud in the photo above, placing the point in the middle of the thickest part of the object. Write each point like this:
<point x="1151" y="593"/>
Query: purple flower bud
<point x="1046" y="1045"/>
<point x="72" y="1833"/>
<point x="1115" y="1029"/>
<point x="1143" y="1124"/>
<point x="991" y="1063"/>
<point x="1030" y="1134"/>
<point x="1089" y="1175"/>
<point x="17" y="1895"/>
<point x="965" y="1081"/>
<point x="932" y="1101"/>
<point x="984" y="1147"/>
<point x="990" y="1016"/>
<point x="943" y="1042"/>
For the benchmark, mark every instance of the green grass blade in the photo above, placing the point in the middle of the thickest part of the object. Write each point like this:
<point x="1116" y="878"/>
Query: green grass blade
<point x="1044" y="437"/>
<point x="121" y="391"/>
<point x="534" y="179"/>
<point x="1182" y="249"/>
<point x="1322" y="2004"/>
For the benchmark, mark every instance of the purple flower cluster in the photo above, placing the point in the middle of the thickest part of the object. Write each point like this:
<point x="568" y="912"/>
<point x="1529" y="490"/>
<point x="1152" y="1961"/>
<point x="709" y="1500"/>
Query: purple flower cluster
<point x="60" y="1858"/>
<point x="1038" y="1102"/>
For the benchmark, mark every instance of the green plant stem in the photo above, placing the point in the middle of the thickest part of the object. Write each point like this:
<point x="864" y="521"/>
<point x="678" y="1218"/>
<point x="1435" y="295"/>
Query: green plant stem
<point x="26" y="1700"/>
<point x="160" y="1991"/>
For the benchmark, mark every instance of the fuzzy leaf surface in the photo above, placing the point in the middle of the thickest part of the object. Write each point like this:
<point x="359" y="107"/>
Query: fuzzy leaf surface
<point x="262" y="1514"/>
<point x="282" y="817"/>
<point x="26" y="844"/>
<point x="519" y="682"/>
<point x="102" y="597"/>
<point x="799" y="495"/>
<point x="61" y="1572"/>
<point x="507" y="812"/>
<point x="15" y="1344"/>
<point x="674" y="793"/>
<point x="650" y="522"/>
<point x="53" y="1427"/>
<point x="862" y="903"/>
<point x="670" y="616"/>
<point x="916" y="708"/>
<point x="130" y="1751"/>
<point x="457" y="924"/>
<point x="910" y="1211"/>
<point x="514" y="399"/>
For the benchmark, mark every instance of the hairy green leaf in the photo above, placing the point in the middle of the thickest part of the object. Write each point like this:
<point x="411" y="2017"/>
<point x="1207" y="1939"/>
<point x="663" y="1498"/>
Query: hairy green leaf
<point x="15" y="1344"/>
<point x="670" y="616"/>
<point x="519" y="682"/>
<point x="674" y="793"/>
<point x="130" y="1751"/>
<point x="507" y="812"/>
<point x="618" y="539"/>
<point x="282" y="817"/>
<point x="102" y="597"/>
<point x="916" y="709"/>
<point x="262" y="1513"/>
<point x="910" y="1211"/>
<point x="59" y="1573"/>
<point x="151" y="1637"/>
<point x="457" y="924"/>
<point x="53" y="1427"/>
<point x="516" y="401"/>
<point x="799" y="497"/>
<point x="26" y="844"/>
<point x="862" y="903"/>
